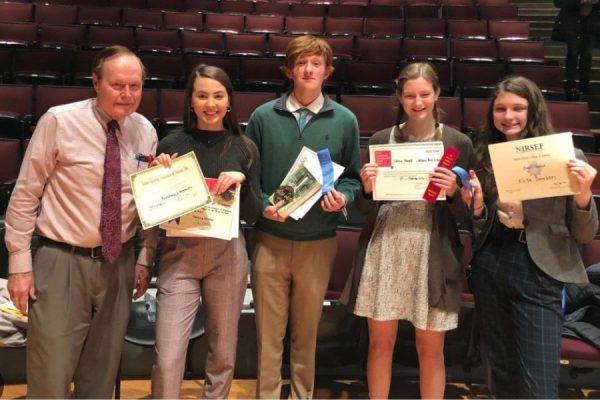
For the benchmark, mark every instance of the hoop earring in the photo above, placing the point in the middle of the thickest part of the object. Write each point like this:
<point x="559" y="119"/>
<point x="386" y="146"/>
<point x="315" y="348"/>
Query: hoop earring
<point x="229" y="109"/>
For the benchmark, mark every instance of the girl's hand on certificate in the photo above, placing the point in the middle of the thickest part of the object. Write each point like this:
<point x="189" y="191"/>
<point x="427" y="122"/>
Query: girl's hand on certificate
<point x="445" y="179"/>
<point x="585" y="175"/>
<point x="368" y="172"/>
<point x="163" y="159"/>
<point x="227" y="179"/>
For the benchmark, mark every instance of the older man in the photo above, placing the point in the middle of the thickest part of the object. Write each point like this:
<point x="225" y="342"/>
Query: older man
<point x="73" y="190"/>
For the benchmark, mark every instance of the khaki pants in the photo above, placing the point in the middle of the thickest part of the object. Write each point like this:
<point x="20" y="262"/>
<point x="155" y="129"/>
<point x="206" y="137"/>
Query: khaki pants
<point x="289" y="281"/>
<point x="78" y="322"/>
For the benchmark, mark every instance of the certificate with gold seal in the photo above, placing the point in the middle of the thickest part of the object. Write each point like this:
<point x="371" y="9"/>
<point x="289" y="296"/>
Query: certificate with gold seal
<point x="404" y="168"/>
<point x="534" y="168"/>
<point x="162" y="194"/>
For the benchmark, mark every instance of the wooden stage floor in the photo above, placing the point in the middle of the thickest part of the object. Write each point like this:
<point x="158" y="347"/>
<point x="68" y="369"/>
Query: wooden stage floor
<point x="324" y="389"/>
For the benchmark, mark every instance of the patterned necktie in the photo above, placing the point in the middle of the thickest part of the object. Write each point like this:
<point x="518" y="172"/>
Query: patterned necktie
<point x="110" y="215"/>
<point x="302" y="118"/>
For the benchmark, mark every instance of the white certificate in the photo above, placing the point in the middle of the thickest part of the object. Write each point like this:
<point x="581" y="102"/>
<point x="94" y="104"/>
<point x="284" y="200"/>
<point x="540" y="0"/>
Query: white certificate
<point x="311" y="162"/>
<point x="404" y="168"/>
<point x="534" y="168"/>
<point x="162" y="194"/>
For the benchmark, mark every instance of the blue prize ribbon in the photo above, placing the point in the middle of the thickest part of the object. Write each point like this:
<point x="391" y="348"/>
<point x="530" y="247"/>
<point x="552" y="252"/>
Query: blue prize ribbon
<point x="464" y="177"/>
<point x="326" y="169"/>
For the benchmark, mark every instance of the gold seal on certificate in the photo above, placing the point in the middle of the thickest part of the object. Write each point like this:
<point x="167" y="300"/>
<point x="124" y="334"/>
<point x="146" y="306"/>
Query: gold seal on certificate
<point x="534" y="168"/>
<point x="404" y="168"/>
<point x="162" y="194"/>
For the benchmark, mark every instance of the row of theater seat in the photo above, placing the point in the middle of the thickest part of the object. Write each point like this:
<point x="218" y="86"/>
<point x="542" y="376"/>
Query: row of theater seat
<point x="30" y="34"/>
<point x="21" y="105"/>
<point x="152" y="18"/>
<point x="370" y="74"/>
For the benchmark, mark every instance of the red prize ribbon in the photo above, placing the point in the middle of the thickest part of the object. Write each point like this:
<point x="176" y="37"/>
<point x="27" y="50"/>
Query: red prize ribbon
<point x="448" y="159"/>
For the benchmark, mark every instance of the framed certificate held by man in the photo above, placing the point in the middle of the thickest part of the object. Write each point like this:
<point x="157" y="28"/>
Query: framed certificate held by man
<point x="404" y="168"/>
<point x="162" y="194"/>
<point x="534" y="168"/>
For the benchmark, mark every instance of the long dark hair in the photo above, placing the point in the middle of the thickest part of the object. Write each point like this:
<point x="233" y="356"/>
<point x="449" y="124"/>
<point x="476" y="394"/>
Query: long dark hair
<point x="190" y="120"/>
<point x="538" y="124"/>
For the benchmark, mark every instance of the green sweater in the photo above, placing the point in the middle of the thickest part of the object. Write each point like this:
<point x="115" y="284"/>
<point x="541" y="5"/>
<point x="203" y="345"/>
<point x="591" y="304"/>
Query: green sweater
<point x="275" y="131"/>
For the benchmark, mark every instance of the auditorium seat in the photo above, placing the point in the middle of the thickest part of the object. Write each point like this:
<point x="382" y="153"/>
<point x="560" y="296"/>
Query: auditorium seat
<point x="467" y="28"/>
<point x="578" y="355"/>
<point x="21" y="34"/>
<point x="246" y="44"/>
<point x="69" y="37"/>
<point x="95" y="15"/>
<point x="392" y="12"/>
<point x="149" y="105"/>
<point x="6" y="55"/>
<point x="473" y="50"/>
<point x="247" y="102"/>
<point x="421" y="11"/>
<point x="202" y="42"/>
<point x="170" y="110"/>
<point x="264" y="24"/>
<point x="231" y="65"/>
<point x="342" y="47"/>
<point x="278" y="44"/>
<point x="50" y="96"/>
<point x="42" y="66"/>
<point x="10" y="159"/>
<point x="164" y="5"/>
<point x="425" y="28"/>
<point x="154" y="41"/>
<point x="375" y="78"/>
<point x="476" y="79"/>
<point x="425" y="49"/>
<point x="462" y="12"/>
<point x="573" y="117"/>
<point x="451" y="107"/>
<point x="304" y="26"/>
<point x="379" y="49"/>
<point x="82" y="67"/>
<point x="136" y="18"/>
<point x="55" y="14"/>
<point x="15" y="12"/>
<point x="549" y="78"/>
<point x="346" y="11"/>
<point x="380" y="27"/>
<point x="226" y="23"/>
<point x="344" y="26"/>
<point x="374" y="113"/>
<point x="163" y="70"/>
<point x="128" y="3"/>
<point x="100" y="37"/>
<point x="474" y="115"/>
<point x="211" y="6"/>
<point x="262" y="74"/>
<point x="16" y="109"/>
<point x="237" y="7"/>
<point x="509" y="30"/>
<point x="271" y="8"/>
<point x="500" y="12"/>
<point x="183" y="21"/>
<point x="307" y="10"/>
<point x="522" y="51"/>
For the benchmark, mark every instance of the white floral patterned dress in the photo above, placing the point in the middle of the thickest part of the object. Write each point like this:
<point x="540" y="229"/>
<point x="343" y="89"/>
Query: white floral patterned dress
<point x="394" y="280"/>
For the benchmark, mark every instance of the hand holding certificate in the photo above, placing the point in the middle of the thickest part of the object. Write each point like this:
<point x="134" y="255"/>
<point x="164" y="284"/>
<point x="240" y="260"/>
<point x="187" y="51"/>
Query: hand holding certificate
<point x="301" y="187"/>
<point x="534" y="168"/>
<point x="220" y="219"/>
<point x="404" y="168"/>
<point x="162" y="194"/>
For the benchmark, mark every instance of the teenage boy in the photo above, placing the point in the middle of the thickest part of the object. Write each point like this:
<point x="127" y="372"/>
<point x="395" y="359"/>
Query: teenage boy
<point x="293" y="259"/>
